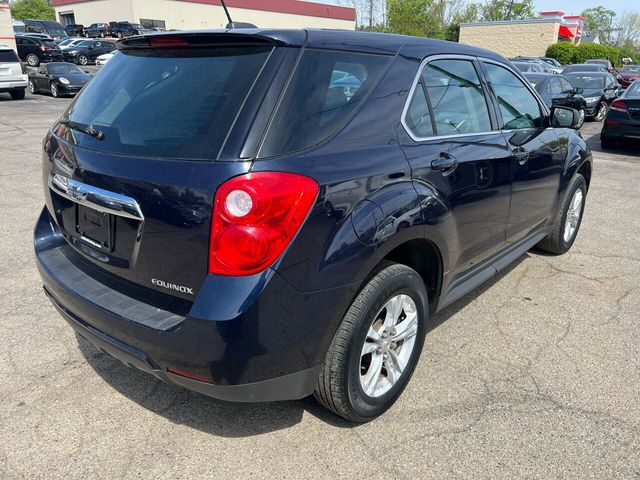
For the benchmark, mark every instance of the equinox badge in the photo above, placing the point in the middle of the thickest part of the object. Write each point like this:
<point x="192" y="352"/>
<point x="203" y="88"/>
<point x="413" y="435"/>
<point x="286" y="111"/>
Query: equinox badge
<point x="172" y="286"/>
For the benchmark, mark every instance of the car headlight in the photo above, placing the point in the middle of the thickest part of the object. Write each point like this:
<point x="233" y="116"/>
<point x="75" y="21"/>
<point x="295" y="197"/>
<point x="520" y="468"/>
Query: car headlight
<point x="591" y="99"/>
<point x="64" y="80"/>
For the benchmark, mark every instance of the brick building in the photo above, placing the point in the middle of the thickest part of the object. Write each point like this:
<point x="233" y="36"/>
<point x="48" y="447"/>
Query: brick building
<point x="523" y="37"/>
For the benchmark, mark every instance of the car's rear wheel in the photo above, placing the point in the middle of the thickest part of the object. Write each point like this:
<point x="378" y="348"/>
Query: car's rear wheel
<point x="33" y="60"/>
<point x="601" y="111"/>
<point x="377" y="345"/>
<point x="568" y="218"/>
<point x="54" y="90"/>
<point x="83" y="59"/>
<point x="17" y="94"/>
<point x="32" y="87"/>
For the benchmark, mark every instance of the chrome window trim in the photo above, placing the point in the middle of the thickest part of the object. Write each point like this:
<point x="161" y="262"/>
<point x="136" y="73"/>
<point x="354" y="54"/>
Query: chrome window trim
<point x="96" y="198"/>
<point x="414" y="85"/>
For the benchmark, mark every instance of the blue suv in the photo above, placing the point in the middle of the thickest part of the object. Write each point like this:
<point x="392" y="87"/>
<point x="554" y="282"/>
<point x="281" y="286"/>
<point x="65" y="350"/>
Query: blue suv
<point x="263" y="215"/>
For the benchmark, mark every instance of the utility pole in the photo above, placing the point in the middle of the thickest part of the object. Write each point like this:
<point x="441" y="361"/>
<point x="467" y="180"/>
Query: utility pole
<point x="510" y="10"/>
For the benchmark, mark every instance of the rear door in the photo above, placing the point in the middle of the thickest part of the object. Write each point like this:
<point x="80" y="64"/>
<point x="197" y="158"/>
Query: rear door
<point x="536" y="156"/>
<point x="453" y="148"/>
<point x="134" y="163"/>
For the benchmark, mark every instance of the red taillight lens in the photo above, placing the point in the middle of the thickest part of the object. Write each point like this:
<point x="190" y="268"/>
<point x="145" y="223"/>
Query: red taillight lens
<point x="255" y="217"/>
<point x="167" y="42"/>
<point x="619" y="105"/>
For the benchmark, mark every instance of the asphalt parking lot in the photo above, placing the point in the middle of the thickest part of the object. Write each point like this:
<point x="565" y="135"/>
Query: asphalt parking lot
<point x="536" y="374"/>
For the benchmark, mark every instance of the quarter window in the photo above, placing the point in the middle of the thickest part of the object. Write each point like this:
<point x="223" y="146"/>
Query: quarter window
<point x="455" y="105"/>
<point x="555" y="88"/>
<point x="518" y="106"/>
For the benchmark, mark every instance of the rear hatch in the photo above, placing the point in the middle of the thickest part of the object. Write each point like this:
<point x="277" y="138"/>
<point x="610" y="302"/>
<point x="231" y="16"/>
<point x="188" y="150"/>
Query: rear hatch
<point x="131" y="167"/>
<point x="10" y="68"/>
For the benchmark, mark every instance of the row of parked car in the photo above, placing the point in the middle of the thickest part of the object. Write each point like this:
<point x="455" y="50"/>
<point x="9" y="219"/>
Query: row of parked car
<point x="34" y="49"/>
<point x="596" y="89"/>
<point x="56" y="31"/>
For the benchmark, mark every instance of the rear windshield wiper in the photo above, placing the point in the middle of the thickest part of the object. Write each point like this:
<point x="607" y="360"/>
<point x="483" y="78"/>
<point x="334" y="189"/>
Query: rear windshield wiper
<point x="81" y="127"/>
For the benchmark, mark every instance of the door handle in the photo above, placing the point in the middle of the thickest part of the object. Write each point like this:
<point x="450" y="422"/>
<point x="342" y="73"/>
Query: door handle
<point x="521" y="155"/>
<point x="446" y="163"/>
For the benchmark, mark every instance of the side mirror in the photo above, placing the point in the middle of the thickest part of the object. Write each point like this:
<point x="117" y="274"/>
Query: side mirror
<point x="564" y="117"/>
<point x="619" y="93"/>
<point x="579" y="90"/>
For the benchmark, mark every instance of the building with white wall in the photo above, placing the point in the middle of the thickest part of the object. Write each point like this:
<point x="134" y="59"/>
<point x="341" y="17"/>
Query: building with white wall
<point x="206" y="14"/>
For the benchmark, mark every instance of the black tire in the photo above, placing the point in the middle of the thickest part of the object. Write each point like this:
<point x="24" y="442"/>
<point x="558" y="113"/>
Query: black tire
<point x="601" y="111"/>
<point x="54" y="90"/>
<point x="33" y="60"/>
<point x="555" y="242"/>
<point x="607" y="143"/>
<point x="32" y="86"/>
<point x="83" y="60"/>
<point x="339" y="388"/>
<point x="17" y="94"/>
<point x="583" y="115"/>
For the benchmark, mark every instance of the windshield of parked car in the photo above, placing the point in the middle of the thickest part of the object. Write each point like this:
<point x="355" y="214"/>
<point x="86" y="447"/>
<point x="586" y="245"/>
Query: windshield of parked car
<point x="168" y="104"/>
<point x="85" y="43"/>
<point x="598" y="62"/>
<point x="586" y="81"/>
<point x="137" y="26"/>
<point x="630" y="69"/>
<point x="67" y="69"/>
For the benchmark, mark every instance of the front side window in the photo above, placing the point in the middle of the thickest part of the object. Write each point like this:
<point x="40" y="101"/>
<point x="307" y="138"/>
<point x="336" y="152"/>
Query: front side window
<point x="325" y="88"/>
<point x="518" y="106"/>
<point x="555" y="87"/>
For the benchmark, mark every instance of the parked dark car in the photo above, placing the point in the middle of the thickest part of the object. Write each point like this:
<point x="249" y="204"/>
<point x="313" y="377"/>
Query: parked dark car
<point x="623" y="120"/>
<point x="584" y="67"/>
<point x="628" y="75"/>
<point x="49" y="27"/>
<point x="556" y="90"/>
<point x="552" y="63"/>
<point x="74" y="30"/>
<point x="86" y="52"/>
<point x="98" y="30"/>
<point x="308" y="238"/>
<point x="605" y="63"/>
<point x="599" y="89"/>
<point x="58" y="79"/>
<point x="33" y="51"/>
<point x="125" y="29"/>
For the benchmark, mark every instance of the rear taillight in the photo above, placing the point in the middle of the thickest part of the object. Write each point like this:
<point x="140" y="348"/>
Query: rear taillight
<point x="619" y="105"/>
<point x="44" y="49"/>
<point x="255" y="217"/>
<point x="167" y="42"/>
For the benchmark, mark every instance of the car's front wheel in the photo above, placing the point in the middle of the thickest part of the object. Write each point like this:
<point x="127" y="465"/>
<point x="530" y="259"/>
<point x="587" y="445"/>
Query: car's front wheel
<point x="83" y="59"/>
<point x="568" y="218"/>
<point x="377" y="345"/>
<point x="32" y="86"/>
<point x="601" y="111"/>
<point x="54" y="90"/>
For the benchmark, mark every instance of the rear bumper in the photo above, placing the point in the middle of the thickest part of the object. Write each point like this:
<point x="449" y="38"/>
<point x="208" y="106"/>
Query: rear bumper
<point x="14" y="84"/>
<point x="256" y="338"/>
<point x="621" y="131"/>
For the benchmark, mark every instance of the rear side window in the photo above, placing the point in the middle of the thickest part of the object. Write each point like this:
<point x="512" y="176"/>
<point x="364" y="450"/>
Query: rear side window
<point x="324" y="89"/>
<point x="8" y="56"/>
<point x="168" y="104"/>
<point x="518" y="106"/>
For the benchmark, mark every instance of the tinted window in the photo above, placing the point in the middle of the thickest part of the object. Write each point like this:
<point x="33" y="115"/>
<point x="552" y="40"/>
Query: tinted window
<point x="586" y="80"/>
<point x="418" y="118"/>
<point x="8" y="56"/>
<point x="566" y="86"/>
<point x="518" y="106"/>
<point x="167" y="105"/>
<point x="320" y="97"/>
<point x="554" y="85"/>
<point x="456" y="96"/>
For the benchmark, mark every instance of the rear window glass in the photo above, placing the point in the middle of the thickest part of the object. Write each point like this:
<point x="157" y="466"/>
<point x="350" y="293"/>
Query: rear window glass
<point x="324" y="89"/>
<point x="164" y="105"/>
<point x="8" y="56"/>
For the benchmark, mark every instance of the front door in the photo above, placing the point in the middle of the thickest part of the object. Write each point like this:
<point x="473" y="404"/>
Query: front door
<point x="453" y="148"/>
<point x="536" y="156"/>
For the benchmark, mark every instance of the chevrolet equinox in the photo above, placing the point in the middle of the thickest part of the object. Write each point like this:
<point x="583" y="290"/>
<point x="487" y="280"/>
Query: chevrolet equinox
<point x="263" y="215"/>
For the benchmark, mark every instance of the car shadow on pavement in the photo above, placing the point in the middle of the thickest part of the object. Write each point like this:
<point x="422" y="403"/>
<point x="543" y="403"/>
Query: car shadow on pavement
<point x="232" y="419"/>
<point x="627" y="149"/>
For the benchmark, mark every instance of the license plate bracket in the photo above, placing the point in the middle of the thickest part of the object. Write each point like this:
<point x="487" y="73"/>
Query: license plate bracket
<point x="95" y="227"/>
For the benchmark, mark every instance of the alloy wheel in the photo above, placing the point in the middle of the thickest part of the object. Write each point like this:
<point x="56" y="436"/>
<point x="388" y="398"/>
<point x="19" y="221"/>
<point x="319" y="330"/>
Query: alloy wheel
<point x="32" y="60"/>
<point x="602" y="111"/>
<point x="83" y="60"/>
<point x="388" y="346"/>
<point x="32" y="86"/>
<point x="54" y="90"/>
<point x="573" y="216"/>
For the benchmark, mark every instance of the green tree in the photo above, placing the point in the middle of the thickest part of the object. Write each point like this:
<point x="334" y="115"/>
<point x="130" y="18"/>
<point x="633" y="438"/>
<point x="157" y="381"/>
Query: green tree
<point x="37" y="9"/>
<point x="600" y="21"/>
<point x="628" y="30"/>
<point x="466" y="13"/>
<point x="421" y="18"/>
<point x="493" y="10"/>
